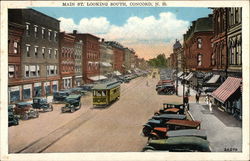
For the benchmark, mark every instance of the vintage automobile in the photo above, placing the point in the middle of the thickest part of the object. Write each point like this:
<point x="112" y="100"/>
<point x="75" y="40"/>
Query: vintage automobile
<point x="25" y="110"/>
<point x="166" y="89"/>
<point x="161" y="132"/>
<point x="78" y="90"/>
<point x="179" y="144"/>
<point x="174" y="105"/>
<point x="159" y="121"/>
<point x="41" y="103"/>
<point x="168" y="111"/>
<point x="72" y="103"/>
<point x="106" y="93"/>
<point x="13" y="119"/>
<point x="59" y="97"/>
<point x="87" y="87"/>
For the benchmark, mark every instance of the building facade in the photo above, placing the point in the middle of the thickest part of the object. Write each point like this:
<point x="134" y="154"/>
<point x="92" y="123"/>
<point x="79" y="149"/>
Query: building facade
<point x="106" y="59"/>
<point x="39" y="52"/>
<point x="128" y="53"/>
<point x="197" y="45"/>
<point x="67" y="60"/>
<point x="178" y="51"/>
<point x="90" y="56"/>
<point x="78" y="62"/>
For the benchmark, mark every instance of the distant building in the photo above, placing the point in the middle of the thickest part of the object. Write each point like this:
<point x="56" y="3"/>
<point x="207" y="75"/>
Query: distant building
<point x="78" y="62"/>
<point x="39" y="53"/>
<point x="178" y="51"/>
<point x="119" y="56"/>
<point x="106" y="59"/>
<point x="67" y="60"/>
<point x="128" y="59"/>
<point x="90" y="56"/>
<point x="197" y="45"/>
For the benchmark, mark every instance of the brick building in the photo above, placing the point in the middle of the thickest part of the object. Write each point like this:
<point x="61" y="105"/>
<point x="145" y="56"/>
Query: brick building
<point x="119" y="56"/>
<point x="90" y="57"/>
<point x="128" y="59"/>
<point x="78" y="62"/>
<point x="106" y="59"/>
<point x="67" y="60"/>
<point x="197" y="45"/>
<point x="39" y="53"/>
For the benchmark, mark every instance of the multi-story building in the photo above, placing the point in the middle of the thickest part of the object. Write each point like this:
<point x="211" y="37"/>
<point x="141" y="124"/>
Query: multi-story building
<point x="234" y="42"/>
<point x="90" y="57"/>
<point x="15" y="32"/>
<point x="178" y="51"/>
<point x="219" y="42"/>
<point x="128" y="61"/>
<point x="39" y="52"/>
<point x="67" y="60"/>
<point x="78" y="62"/>
<point x="106" y="59"/>
<point x="197" y="45"/>
<point x="119" y="56"/>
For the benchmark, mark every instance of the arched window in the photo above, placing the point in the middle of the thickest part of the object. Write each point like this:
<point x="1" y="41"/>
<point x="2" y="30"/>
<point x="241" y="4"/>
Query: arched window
<point x="199" y="43"/>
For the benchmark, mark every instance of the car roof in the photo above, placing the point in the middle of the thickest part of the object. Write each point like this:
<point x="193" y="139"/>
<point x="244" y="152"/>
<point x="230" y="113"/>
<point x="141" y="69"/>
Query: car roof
<point x="23" y="103"/>
<point x="171" y="116"/>
<point x="188" y="123"/>
<point x="73" y="96"/>
<point x="154" y="121"/>
<point x="183" y="140"/>
<point x="173" y="109"/>
<point x="187" y="132"/>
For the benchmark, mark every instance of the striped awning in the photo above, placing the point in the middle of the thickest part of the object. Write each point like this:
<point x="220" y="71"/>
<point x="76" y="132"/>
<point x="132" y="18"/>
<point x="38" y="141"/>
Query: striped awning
<point x="228" y="87"/>
<point x="179" y="74"/>
<point x="190" y="75"/>
<point x="214" y="79"/>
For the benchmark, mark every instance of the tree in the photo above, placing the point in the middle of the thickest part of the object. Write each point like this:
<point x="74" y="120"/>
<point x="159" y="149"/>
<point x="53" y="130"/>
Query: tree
<point x="158" y="62"/>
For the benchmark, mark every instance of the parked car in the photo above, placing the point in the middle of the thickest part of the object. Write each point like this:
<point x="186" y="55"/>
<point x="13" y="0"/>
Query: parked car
<point x="179" y="144"/>
<point x="87" y="87"/>
<point x="168" y="111"/>
<point x="41" y="103"/>
<point x="78" y="90"/>
<point x="166" y="89"/>
<point x="161" y="132"/>
<point x="12" y="119"/>
<point x="25" y="111"/>
<point x="72" y="103"/>
<point x="159" y="121"/>
<point x="59" y="97"/>
<point x="174" y="105"/>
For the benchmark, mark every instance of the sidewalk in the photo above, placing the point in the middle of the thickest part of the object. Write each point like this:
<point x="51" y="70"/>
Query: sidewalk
<point x="223" y="130"/>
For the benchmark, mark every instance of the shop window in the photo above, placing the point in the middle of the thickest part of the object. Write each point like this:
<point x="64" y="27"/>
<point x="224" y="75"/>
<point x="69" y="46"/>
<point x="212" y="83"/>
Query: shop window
<point x="26" y="93"/>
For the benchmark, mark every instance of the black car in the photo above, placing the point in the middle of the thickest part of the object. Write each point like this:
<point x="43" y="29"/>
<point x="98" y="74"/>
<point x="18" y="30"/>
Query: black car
<point x="13" y="119"/>
<point x="42" y="104"/>
<point x="72" y="103"/>
<point x="60" y="96"/>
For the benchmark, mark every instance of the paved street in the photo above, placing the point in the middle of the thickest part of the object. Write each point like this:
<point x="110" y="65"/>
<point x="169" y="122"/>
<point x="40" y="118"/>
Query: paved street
<point x="116" y="128"/>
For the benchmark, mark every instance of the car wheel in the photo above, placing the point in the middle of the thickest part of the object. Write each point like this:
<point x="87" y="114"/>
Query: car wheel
<point x="146" y="131"/>
<point x="72" y="109"/>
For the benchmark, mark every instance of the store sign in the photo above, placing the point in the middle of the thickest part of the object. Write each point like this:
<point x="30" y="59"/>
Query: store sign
<point x="15" y="88"/>
<point x="27" y="86"/>
<point x="37" y="84"/>
<point x="55" y="82"/>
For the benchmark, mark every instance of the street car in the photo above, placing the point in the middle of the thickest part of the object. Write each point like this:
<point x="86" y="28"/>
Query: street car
<point x="161" y="132"/>
<point x="178" y="144"/>
<point x="12" y="119"/>
<point x="41" y="103"/>
<point x="72" y="103"/>
<point x="25" y="110"/>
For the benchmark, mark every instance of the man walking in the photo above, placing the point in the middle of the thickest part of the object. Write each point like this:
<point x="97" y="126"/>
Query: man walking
<point x="186" y="102"/>
<point x="197" y="97"/>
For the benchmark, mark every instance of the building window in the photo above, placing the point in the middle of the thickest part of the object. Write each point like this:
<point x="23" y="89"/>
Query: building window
<point x="27" y="72"/>
<point x="232" y="55"/>
<point x="43" y="33"/>
<point x="28" y="29"/>
<point x="50" y="54"/>
<point x="213" y="59"/>
<point x="55" y="36"/>
<point x="236" y="15"/>
<point x="50" y="35"/>
<point x="33" y="72"/>
<point x="36" y="51"/>
<point x="15" y="47"/>
<point x="239" y="54"/>
<point x="27" y="50"/>
<point x="199" y="60"/>
<point x="35" y="30"/>
<point x="199" y="43"/>
<point x="38" y="70"/>
<point x="56" y="53"/>
<point x="56" y="69"/>
<point x="11" y="71"/>
<point x="43" y="52"/>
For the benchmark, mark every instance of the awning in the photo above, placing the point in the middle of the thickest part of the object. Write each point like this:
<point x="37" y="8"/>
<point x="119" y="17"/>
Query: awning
<point x="106" y="64"/>
<point x="179" y="74"/>
<point x="214" y="79"/>
<point x="227" y="88"/>
<point x="98" y="77"/>
<point x="117" y="73"/>
<point x="190" y="75"/>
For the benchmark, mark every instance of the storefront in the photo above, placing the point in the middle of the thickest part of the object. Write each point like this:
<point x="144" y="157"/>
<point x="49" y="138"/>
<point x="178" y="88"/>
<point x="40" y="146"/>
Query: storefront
<point x="38" y="89"/>
<point x="55" y="86"/>
<point x="14" y="94"/>
<point x="27" y="91"/>
<point x="67" y="82"/>
<point x="78" y="80"/>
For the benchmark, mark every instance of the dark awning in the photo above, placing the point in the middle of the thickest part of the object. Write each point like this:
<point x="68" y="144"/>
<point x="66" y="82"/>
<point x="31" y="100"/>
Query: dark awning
<point x="228" y="87"/>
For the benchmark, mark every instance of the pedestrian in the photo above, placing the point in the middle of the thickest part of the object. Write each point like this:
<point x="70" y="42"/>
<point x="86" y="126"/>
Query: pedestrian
<point x="197" y="96"/>
<point x="210" y="105"/>
<point x="206" y="99"/>
<point x="186" y="102"/>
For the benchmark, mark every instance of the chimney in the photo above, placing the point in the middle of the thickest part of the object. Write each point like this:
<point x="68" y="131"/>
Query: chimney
<point x="74" y="32"/>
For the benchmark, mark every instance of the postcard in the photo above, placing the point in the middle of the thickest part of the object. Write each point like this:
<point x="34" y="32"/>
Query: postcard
<point x="124" y="80"/>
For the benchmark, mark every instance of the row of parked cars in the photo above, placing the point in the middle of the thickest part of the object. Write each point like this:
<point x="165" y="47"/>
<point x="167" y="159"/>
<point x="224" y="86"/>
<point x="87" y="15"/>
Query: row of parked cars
<point x="170" y="130"/>
<point x="71" y="98"/>
<point x="165" y="87"/>
<point x="128" y="77"/>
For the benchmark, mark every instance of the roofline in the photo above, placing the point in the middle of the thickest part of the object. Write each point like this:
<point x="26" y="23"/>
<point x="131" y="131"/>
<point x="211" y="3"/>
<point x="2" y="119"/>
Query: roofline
<point x="42" y="14"/>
